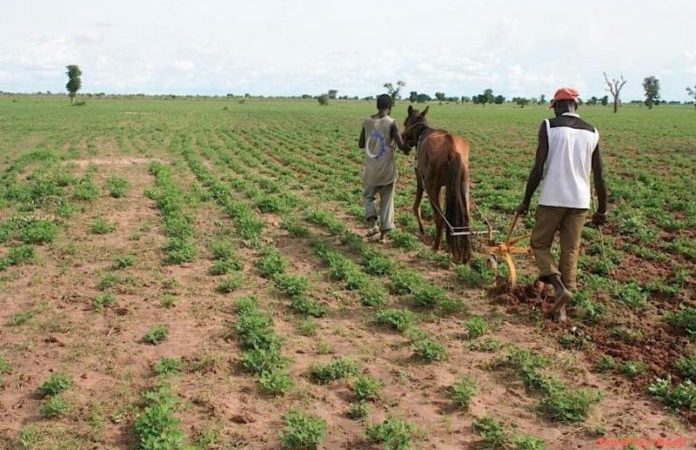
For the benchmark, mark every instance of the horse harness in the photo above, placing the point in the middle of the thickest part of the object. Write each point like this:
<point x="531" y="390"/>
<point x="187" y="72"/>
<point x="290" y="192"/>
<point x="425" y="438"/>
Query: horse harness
<point x="454" y="231"/>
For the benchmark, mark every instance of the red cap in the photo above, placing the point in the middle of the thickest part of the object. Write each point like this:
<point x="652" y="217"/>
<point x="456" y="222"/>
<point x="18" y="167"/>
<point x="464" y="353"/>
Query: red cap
<point x="566" y="93"/>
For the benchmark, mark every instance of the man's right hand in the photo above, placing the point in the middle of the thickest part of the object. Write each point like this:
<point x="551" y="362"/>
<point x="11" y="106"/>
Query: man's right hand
<point x="522" y="210"/>
<point x="599" y="218"/>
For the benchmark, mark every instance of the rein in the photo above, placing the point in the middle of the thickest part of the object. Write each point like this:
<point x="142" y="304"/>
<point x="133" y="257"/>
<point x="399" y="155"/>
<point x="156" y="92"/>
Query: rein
<point x="421" y="135"/>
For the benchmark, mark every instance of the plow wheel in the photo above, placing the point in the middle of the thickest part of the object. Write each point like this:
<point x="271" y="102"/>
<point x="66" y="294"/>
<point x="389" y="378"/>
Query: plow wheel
<point x="503" y="254"/>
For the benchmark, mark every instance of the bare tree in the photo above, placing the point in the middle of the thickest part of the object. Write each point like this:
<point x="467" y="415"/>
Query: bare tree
<point x="692" y="93"/>
<point x="614" y="87"/>
<point x="395" y="91"/>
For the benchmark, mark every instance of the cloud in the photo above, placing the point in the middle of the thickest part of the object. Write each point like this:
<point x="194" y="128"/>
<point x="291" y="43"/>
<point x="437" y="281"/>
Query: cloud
<point x="262" y="47"/>
<point x="184" y="66"/>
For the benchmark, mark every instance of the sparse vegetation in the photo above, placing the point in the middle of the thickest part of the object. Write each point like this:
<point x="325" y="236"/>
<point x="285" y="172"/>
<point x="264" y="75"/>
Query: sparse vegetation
<point x="302" y="431"/>
<point x="156" y="335"/>
<point x="338" y="369"/>
<point x="158" y="427"/>
<point x="118" y="187"/>
<point x="476" y="327"/>
<point x="56" y="384"/>
<point x="268" y="194"/>
<point x="101" y="226"/>
<point x="367" y="388"/>
<point x="394" y="433"/>
<point x="462" y="392"/>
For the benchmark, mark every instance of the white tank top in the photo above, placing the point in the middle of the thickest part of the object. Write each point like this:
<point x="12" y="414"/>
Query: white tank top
<point x="566" y="181"/>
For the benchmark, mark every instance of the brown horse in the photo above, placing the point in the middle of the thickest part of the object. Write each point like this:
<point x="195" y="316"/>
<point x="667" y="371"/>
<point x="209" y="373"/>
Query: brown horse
<point x="442" y="160"/>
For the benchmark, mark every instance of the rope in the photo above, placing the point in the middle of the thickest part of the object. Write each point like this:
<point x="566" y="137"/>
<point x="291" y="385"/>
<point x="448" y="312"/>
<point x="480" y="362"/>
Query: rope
<point x="601" y="243"/>
<point x="454" y="231"/>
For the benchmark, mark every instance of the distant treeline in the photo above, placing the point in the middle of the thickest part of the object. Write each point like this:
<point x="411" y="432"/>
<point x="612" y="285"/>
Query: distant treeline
<point x="415" y="97"/>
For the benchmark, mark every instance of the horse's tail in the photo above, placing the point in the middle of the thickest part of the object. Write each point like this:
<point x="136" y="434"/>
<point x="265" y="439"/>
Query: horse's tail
<point x="457" y="204"/>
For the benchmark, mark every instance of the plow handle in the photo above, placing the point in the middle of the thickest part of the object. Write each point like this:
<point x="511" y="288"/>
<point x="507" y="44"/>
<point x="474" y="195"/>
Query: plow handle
<point x="512" y="227"/>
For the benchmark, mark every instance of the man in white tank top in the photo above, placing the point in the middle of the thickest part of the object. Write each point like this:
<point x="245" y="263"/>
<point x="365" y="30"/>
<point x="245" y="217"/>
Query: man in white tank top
<point x="568" y="152"/>
<point x="378" y="138"/>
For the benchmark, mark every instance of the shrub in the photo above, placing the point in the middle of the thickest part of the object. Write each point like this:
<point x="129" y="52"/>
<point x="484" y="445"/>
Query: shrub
<point x="254" y="327"/>
<point x="338" y="369"/>
<point x="223" y="250"/>
<point x="263" y="360"/>
<point x="225" y="266"/>
<point x="376" y="264"/>
<point x="168" y="366"/>
<point x="529" y="443"/>
<point x="396" y="434"/>
<point x="118" y="187"/>
<point x="589" y="311"/>
<point x="489" y="345"/>
<point x="633" y="368"/>
<point x="290" y="285"/>
<point x="429" y="296"/>
<point x="231" y="284"/>
<point x="476" y="275"/>
<point x="491" y="431"/>
<point x="402" y="239"/>
<point x="429" y="350"/>
<point x="38" y="232"/>
<point x="103" y="300"/>
<point x="561" y="405"/>
<point x="108" y="281"/>
<point x="326" y="220"/>
<point x="367" y="388"/>
<point x="683" y="396"/>
<point x="399" y="319"/>
<point x="276" y="382"/>
<point x="271" y="263"/>
<point x="632" y="295"/>
<point x="156" y="335"/>
<point x="180" y="250"/>
<point x="627" y="334"/>
<point x="684" y="320"/>
<point x="359" y="411"/>
<point x="302" y="431"/>
<point x="168" y="300"/>
<point x="86" y="189"/>
<point x="308" y="306"/>
<point x="158" y="428"/>
<point x="307" y="327"/>
<point x="476" y="327"/>
<point x="5" y="367"/>
<point x="404" y="282"/>
<point x="606" y="364"/>
<point x="54" y="407"/>
<point x="101" y="226"/>
<point x="17" y="255"/>
<point x="462" y="391"/>
<point x="56" y="384"/>
<point x="372" y="295"/>
<point x="21" y="318"/>
<point x="687" y="367"/>
<point x="124" y="261"/>
<point x="294" y="229"/>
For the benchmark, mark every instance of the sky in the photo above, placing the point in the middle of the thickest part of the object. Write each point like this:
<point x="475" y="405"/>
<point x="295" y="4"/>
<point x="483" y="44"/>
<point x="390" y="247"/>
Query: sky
<point x="275" y="47"/>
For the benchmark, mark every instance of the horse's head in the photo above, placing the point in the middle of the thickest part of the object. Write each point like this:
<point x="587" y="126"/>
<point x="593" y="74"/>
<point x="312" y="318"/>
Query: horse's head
<point x="413" y="125"/>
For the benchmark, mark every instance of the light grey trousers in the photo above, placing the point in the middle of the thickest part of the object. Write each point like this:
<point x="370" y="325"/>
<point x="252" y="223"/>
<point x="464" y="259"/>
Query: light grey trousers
<point x="386" y="205"/>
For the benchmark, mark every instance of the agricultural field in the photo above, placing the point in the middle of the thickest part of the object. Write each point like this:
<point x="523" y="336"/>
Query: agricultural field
<point x="191" y="274"/>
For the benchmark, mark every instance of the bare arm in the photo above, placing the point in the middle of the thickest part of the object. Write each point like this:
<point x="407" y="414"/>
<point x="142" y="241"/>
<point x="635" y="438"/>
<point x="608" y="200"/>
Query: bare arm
<point x="600" y="187"/>
<point x="537" y="172"/>
<point x="397" y="138"/>
<point x="361" y="140"/>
